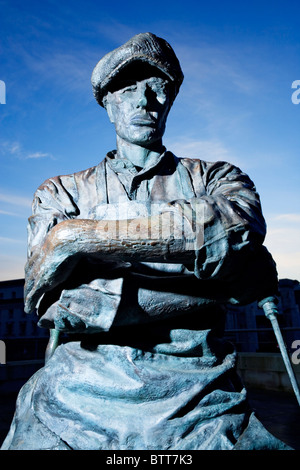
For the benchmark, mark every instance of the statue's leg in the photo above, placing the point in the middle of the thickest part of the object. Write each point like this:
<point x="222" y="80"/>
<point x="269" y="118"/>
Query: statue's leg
<point x="26" y="431"/>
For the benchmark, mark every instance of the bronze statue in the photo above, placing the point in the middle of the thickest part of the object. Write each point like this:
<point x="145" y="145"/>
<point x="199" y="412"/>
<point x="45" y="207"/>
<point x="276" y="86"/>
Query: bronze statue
<point x="135" y="259"/>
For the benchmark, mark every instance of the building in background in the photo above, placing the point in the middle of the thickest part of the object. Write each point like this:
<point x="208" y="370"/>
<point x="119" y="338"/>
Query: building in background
<point x="247" y="327"/>
<point x="23" y="338"/>
<point x="251" y="331"/>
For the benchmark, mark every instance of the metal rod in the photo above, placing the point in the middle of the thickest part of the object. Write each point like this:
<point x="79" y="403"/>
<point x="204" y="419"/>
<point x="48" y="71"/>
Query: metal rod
<point x="270" y="309"/>
<point x="52" y="344"/>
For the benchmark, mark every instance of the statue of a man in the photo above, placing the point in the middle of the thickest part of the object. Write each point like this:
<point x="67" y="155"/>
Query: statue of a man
<point x="135" y="259"/>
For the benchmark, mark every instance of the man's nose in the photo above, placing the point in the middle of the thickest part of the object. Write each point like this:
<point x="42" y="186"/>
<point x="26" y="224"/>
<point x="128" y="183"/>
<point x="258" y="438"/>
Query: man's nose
<point x="142" y="101"/>
<point x="143" y="96"/>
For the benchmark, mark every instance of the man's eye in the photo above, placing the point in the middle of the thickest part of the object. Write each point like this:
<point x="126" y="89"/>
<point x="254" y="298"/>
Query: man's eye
<point x="160" y="91"/>
<point x="129" y="89"/>
<point x="161" y="95"/>
<point x="161" y="98"/>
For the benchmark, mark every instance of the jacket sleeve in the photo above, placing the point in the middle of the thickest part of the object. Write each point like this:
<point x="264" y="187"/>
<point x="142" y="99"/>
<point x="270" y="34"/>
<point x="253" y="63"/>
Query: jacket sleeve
<point x="230" y="250"/>
<point x="52" y="203"/>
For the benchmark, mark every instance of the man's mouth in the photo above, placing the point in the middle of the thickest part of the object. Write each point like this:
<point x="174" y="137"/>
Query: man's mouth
<point x="143" y="120"/>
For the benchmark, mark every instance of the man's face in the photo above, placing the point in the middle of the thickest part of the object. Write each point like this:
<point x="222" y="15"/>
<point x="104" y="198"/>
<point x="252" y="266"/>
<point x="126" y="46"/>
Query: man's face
<point x="139" y="109"/>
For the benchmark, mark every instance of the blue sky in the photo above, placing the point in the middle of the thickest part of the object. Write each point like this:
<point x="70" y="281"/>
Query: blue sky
<point x="239" y="60"/>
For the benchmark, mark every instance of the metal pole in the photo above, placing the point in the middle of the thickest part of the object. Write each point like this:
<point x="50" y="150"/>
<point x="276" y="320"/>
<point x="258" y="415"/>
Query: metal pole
<point x="270" y="310"/>
<point x="52" y="344"/>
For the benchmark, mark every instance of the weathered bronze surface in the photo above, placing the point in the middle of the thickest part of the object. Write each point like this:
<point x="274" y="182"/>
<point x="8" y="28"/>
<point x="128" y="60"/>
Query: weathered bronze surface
<point x="136" y="259"/>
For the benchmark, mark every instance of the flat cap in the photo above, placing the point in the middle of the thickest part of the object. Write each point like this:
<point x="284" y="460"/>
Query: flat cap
<point x="144" y="47"/>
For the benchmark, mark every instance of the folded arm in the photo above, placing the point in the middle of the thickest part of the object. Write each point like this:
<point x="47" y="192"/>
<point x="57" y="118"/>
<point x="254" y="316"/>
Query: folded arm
<point x="158" y="238"/>
<point x="214" y="232"/>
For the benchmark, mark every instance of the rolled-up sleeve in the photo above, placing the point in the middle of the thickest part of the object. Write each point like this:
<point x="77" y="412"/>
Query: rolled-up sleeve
<point x="52" y="203"/>
<point x="229" y="230"/>
<point x="233" y="220"/>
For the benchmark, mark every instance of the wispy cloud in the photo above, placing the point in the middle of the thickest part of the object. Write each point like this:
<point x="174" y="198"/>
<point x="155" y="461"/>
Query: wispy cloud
<point x="11" y="240"/>
<point x="283" y="241"/>
<point x="13" y="214"/>
<point x="116" y="31"/>
<point x="13" y="205"/>
<point x="15" y="149"/>
<point x="287" y="218"/>
<point x="12" y="267"/>
<point x="38" y="155"/>
<point x="217" y="68"/>
<point x="69" y="71"/>
<point x="221" y="86"/>
<point x="209" y="150"/>
<point x="15" y="200"/>
<point x="204" y="149"/>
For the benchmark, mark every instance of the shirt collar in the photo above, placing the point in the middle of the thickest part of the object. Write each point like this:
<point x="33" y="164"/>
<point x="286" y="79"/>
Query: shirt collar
<point x="124" y="165"/>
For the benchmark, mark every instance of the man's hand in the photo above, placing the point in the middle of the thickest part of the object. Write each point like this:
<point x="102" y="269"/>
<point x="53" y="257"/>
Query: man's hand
<point x="50" y="266"/>
<point x="54" y="262"/>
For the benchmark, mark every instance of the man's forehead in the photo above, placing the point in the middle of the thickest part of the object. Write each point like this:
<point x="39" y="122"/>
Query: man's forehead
<point x="137" y="72"/>
<point x="152" y="81"/>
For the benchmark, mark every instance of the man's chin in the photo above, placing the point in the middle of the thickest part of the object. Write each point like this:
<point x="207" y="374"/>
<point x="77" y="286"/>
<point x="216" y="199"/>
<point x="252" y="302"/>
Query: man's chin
<point x="145" y="139"/>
